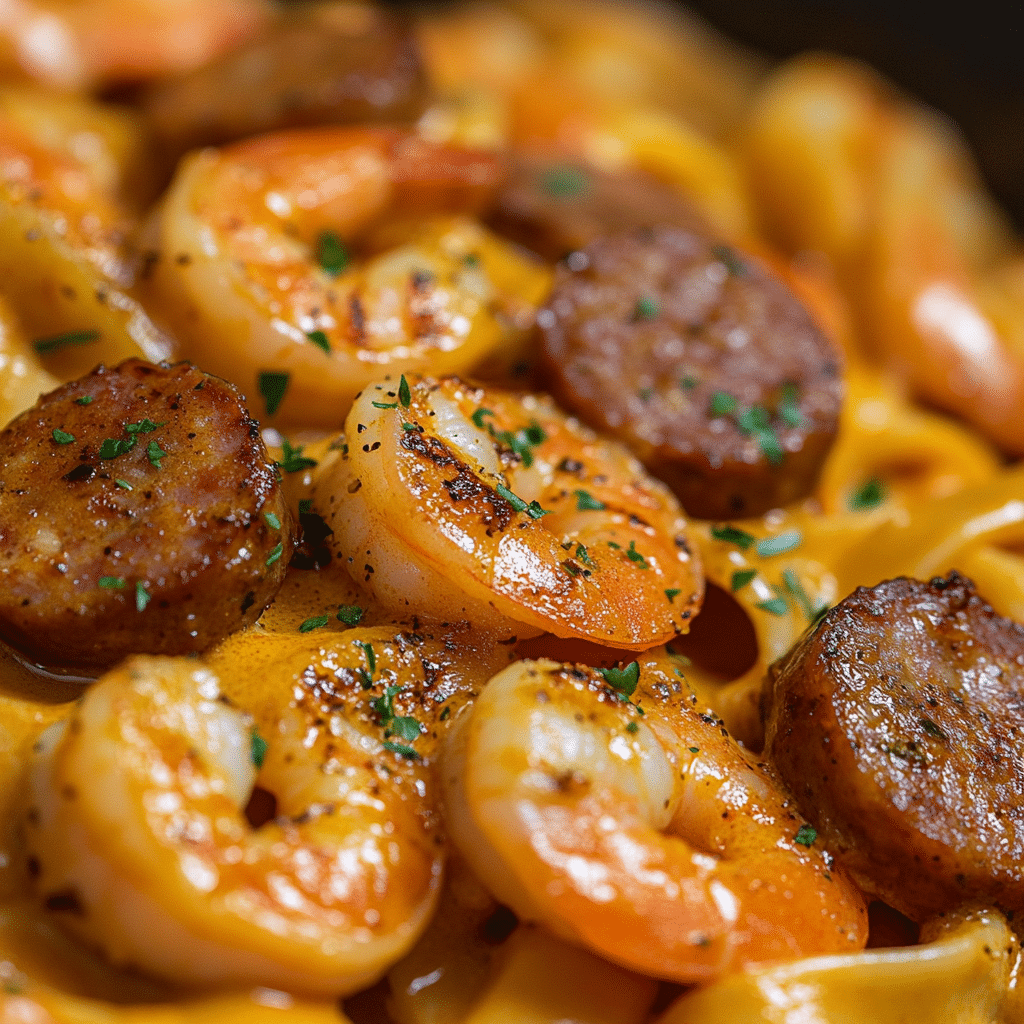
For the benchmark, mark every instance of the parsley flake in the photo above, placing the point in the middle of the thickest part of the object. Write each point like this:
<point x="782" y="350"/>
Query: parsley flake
<point x="583" y="555"/>
<point x="672" y="593"/>
<point x="145" y="426"/>
<point x="404" y="393"/>
<point x="779" y="543"/>
<point x="796" y="589"/>
<point x="728" y="256"/>
<point x="270" y="518"/>
<point x="789" y="405"/>
<point x="733" y="535"/>
<point x="155" y="453"/>
<point x="142" y="597"/>
<point x="62" y="437"/>
<point x="275" y="553"/>
<point x="112" y="447"/>
<point x="371" y="657"/>
<point x="314" y="622"/>
<point x="533" y="509"/>
<point x="634" y="556"/>
<point x="331" y="253"/>
<point x="272" y="385"/>
<point x="623" y="679"/>
<point x="564" y="182"/>
<point x="688" y="383"/>
<point x="478" y="416"/>
<point x="773" y="606"/>
<point x="350" y="614"/>
<point x="806" y="835"/>
<point x="869" y="495"/>
<point x="257" y="748"/>
<point x="741" y="578"/>
<point x="111" y="582"/>
<point x="632" y="727"/>
<point x="44" y="346"/>
<point x="401" y="750"/>
<point x="292" y="460"/>
<point x="722" y="403"/>
<point x="646" y="308"/>
<point x="124" y="485"/>
<point x="405" y="728"/>
<point x="84" y="400"/>
<point x="384" y="405"/>
<point x="320" y="339"/>
<point x="586" y="502"/>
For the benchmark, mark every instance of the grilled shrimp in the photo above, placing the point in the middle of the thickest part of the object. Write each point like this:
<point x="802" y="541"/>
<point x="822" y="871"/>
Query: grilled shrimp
<point x="637" y="827"/>
<point x="457" y="502"/>
<point x="256" y="277"/>
<point x="139" y="837"/>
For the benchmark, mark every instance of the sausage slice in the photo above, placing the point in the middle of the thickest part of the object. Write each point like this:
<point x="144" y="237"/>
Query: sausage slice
<point x="555" y="206"/>
<point x="701" y="360"/>
<point x="898" y="725"/>
<point x="139" y="513"/>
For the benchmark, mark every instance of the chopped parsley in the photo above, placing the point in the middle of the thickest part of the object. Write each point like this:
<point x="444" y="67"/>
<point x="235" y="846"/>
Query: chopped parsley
<point x="350" y="614"/>
<point x="384" y="405"/>
<point x="478" y="416"/>
<point x="257" y="748"/>
<point x="272" y="385"/>
<point x="632" y="727"/>
<point x="688" y="383"/>
<point x="806" y="835"/>
<point x="733" y="535"/>
<point x="155" y="453"/>
<point x="270" y="518"/>
<point x="789" y="405"/>
<point x="722" y="403"/>
<point x="331" y="253"/>
<point x="292" y="460"/>
<point x="740" y="578"/>
<point x="646" y="308"/>
<point x="111" y="583"/>
<point x="583" y="555"/>
<point x="44" y="346"/>
<point x="62" y="437"/>
<point x="533" y="509"/>
<point x="275" y="553"/>
<point x="795" y="588"/>
<point x="144" y="426"/>
<point x="371" y="657"/>
<point x="634" y="556"/>
<point x="84" y="400"/>
<point x="320" y="339"/>
<point x="124" y="485"/>
<point x="112" y="447"/>
<point x="314" y="622"/>
<point x="142" y="597"/>
<point x="869" y="495"/>
<point x="672" y="593"/>
<point x="756" y="422"/>
<point x="564" y="182"/>
<point x="774" y="606"/>
<point x="623" y="679"/>
<point x="586" y="502"/>
<point x="401" y="750"/>
<point x="404" y="394"/>
<point x="779" y="543"/>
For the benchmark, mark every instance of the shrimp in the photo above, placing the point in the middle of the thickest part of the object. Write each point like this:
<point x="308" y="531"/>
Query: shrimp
<point x="75" y="45"/>
<point x="257" y="280"/>
<point x="637" y="827"/>
<point x="468" y="503"/>
<point x="156" y="862"/>
<point x="67" y="167"/>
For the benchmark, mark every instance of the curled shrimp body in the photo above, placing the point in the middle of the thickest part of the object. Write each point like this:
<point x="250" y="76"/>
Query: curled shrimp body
<point x="255" y="274"/>
<point x="638" y="827"/>
<point x="468" y="503"/>
<point x="141" y="822"/>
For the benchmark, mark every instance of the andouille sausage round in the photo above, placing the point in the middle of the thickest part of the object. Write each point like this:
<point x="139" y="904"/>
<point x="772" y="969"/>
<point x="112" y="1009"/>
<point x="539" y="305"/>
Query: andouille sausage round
<point x="896" y="723"/>
<point x="701" y="360"/>
<point x="139" y="513"/>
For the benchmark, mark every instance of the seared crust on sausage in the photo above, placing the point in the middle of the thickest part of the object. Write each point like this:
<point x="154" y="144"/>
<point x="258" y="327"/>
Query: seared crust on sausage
<point x="898" y="723"/>
<point x="139" y="513"/>
<point x="701" y="360"/>
<point x="554" y="206"/>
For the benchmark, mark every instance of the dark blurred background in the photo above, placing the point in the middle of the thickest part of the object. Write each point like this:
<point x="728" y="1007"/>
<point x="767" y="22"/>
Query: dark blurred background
<point x="966" y="59"/>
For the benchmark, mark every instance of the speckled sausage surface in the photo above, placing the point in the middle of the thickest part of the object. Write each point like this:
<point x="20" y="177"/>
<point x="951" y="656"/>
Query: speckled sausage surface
<point x="139" y="513"/>
<point x="701" y="360"/>
<point x="554" y="206"/>
<point x="896" y="723"/>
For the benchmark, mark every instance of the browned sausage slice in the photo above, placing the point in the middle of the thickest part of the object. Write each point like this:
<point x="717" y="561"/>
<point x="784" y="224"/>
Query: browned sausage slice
<point x="898" y="725"/>
<point x="554" y="206"/>
<point x="317" y="65"/>
<point x="701" y="360"/>
<point x="139" y="513"/>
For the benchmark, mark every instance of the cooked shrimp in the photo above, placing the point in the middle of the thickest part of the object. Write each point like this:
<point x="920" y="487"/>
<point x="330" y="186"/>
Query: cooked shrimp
<point x="80" y="44"/>
<point x="638" y="827"/>
<point x="256" y="277"/>
<point x="457" y="502"/>
<point x="67" y="166"/>
<point x="138" y="835"/>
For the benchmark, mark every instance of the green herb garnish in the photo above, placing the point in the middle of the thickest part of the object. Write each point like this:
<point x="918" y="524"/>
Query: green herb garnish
<point x="740" y="578"/>
<point x="275" y="553"/>
<point x="774" y="606"/>
<point x="62" y="437"/>
<point x="257" y="748"/>
<point x="155" y="453"/>
<point x="806" y="835"/>
<point x="646" y="308"/>
<point x="404" y="394"/>
<point x="779" y="543"/>
<point x="320" y="339"/>
<point x="722" y="403"/>
<point x="869" y="495"/>
<point x="623" y="679"/>
<point x="634" y="556"/>
<point x="142" y="597"/>
<point x="44" y="346"/>
<point x="733" y="535"/>
<point x="111" y="582"/>
<point x="331" y="253"/>
<point x="292" y="460"/>
<point x="314" y="622"/>
<point x="272" y="385"/>
<point x="350" y="614"/>
<point x="586" y="502"/>
<point x="270" y="518"/>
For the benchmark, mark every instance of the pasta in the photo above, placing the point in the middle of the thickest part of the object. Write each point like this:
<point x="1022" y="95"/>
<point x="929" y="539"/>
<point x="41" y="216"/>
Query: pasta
<point x="491" y="753"/>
